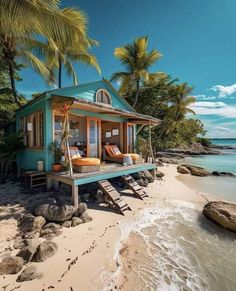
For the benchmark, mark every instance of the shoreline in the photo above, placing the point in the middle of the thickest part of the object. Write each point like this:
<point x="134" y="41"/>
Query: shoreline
<point x="93" y="246"/>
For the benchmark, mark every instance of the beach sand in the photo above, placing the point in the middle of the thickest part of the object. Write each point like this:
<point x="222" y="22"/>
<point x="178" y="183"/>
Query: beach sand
<point x="86" y="259"/>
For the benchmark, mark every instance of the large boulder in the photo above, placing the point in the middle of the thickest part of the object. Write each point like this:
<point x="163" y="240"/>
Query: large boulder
<point x="30" y="223"/>
<point x="45" y="250"/>
<point x="11" y="265"/>
<point x="29" y="274"/>
<point x="222" y="213"/>
<point x="53" y="212"/>
<point x="197" y="171"/>
<point x="183" y="170"/>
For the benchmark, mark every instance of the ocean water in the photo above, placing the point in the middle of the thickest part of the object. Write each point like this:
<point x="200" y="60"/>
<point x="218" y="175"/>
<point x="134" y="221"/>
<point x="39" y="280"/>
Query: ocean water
<point x="173" y="247"/>
<point x="226" y="162"/>
<point x="223" y="187"/>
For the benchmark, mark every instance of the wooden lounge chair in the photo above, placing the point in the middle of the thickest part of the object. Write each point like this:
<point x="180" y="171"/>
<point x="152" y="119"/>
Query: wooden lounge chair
<point x="112" y="153"/>
<point x="114" y="196"/>
<point x="83" y="165"/>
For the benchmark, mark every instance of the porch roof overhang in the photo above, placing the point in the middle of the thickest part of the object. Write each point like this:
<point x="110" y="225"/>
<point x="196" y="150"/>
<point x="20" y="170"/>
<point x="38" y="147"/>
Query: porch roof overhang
<point x="90" y="106"/>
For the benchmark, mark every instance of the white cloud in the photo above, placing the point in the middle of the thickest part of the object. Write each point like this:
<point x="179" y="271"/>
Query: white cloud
<point x="205" y="97"/>
<point x="221" y="128"/>
<point x="214" y="108"/>
<point x="224" y="90"/>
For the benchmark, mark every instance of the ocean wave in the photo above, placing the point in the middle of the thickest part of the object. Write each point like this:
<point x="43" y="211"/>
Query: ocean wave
<point x="172" y="247"/>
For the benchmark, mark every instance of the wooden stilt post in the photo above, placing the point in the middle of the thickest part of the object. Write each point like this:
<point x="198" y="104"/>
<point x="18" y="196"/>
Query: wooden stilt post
<point x="150" y="146"/>
<point x="75" y="195"/>
<point x="150" y="142"/>
<point x="67" y="146"/>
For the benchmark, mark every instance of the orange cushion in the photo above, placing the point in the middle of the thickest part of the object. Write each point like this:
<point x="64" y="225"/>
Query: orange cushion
<point x="86" y="162"/>
<point x="133" y="156"/>
<point x="109" y="150"/>
<point x="114" y="152"/>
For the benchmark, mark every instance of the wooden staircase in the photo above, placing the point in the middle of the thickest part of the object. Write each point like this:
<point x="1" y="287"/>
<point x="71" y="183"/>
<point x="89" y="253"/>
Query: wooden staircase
<point x="114" y="196"/>
<point x="135" y="187"/>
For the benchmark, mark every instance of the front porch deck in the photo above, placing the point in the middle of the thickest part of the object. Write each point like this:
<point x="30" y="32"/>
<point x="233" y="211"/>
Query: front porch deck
<point x="107" y="171"/>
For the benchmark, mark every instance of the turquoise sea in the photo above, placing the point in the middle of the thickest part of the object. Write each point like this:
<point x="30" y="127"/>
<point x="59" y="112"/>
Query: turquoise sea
<point x="226" y="162"/>
<point x="223" y="187"/>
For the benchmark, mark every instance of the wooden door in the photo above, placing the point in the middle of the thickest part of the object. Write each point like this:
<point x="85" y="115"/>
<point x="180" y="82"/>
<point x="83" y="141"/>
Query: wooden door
<point x="94" y="147"/>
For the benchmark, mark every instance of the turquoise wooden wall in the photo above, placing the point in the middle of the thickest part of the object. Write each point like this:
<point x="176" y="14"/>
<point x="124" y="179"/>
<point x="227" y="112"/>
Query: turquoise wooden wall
<point x="27" y="159"/>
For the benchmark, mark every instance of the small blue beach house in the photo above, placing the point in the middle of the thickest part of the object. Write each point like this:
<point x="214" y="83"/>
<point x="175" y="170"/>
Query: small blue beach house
<point x="98" y="116"/>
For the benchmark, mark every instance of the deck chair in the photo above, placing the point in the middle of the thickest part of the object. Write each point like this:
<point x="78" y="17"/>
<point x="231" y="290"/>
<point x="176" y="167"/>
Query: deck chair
<point x="112" y="153"/>
<point x="81" y="164"/>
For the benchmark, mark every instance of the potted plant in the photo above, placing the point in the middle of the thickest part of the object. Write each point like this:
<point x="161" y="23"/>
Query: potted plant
<point x="55" y="149"/>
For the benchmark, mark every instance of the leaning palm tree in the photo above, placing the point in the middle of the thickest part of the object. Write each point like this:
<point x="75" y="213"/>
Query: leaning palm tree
<point x="137" y="61"/>
<point x="43" y="17"/>
<point x="24" y="22"/>
<point x="58" y="53"/>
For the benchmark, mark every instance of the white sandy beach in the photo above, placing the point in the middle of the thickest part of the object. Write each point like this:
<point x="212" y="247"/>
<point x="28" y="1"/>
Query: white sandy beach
<point x="86" y="254"/>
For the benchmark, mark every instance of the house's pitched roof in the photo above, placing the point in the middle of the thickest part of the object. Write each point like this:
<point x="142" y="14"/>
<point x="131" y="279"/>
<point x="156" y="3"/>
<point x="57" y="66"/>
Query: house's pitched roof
<point x="88" y="91"/>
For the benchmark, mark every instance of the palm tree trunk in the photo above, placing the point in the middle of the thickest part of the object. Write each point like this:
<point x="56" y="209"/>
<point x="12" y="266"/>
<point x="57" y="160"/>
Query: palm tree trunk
<point x="59" y="72"/>
<point x="13" y="83"/>
<point x="137" y="93"/>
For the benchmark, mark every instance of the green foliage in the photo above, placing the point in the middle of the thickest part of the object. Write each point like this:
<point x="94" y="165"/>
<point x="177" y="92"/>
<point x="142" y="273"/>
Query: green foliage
<point x="11" y="144"/>
<point x="186" y="132"/>
<point x="55" y="149"/>
<point x="204" y="141"/>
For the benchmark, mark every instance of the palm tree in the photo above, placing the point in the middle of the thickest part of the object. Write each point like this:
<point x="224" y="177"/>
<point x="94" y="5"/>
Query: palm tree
<point x="24" y="22"/>
<point x="178" y="108"/>
<point x="12" y="50"/>
<point x="179" y="102"/>
<point x="59" y="53"/>
<point x="43" y="17"/>
<point x="137" y="61"/>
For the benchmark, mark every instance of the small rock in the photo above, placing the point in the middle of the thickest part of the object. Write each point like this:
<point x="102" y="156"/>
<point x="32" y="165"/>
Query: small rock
<point x="182" y="170"/>
<point x="45" y="250"/>
<point x="82" y="207"/>
<point x="148" y="176"/>
<point x="29" y="274"/>
<point x="159" y="174"/>
<point x="11" y="265"/>
<point x="67" y="223"/>
<point x="142" y="182"/>
<point x="29" y="223"/>
<point x="76" y="221"/>
<point x="27" y="254"/>
<point x="159" y="163"/>
<point x="52" y="226"/>
<point x="85" y="217"/>
<point x="22" y="243"/>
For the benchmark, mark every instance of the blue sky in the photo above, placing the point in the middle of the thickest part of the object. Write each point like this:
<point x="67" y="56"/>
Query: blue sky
<point x="197" y="40"/>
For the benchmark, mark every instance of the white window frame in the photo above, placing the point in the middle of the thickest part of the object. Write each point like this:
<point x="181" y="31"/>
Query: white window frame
<point x="109" y="96"/>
